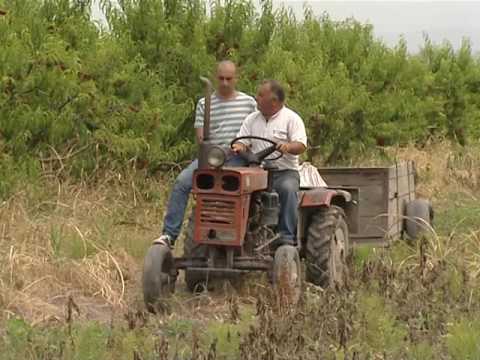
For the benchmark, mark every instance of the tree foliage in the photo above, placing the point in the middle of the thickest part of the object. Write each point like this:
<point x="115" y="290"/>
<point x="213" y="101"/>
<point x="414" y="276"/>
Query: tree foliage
<point x="127" y="91"/>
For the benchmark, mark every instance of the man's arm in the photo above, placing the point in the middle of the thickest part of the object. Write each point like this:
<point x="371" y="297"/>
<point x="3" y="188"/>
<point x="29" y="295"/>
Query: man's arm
<point x="297" y="136"/>
<point x="294" y="148"/>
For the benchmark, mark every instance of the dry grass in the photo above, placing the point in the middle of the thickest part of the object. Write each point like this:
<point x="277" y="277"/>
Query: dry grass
<point x="442" y="167"/>
<point x="77" y="244"/>
<point x="86" y="243"/>
<point x="81" y="242"/>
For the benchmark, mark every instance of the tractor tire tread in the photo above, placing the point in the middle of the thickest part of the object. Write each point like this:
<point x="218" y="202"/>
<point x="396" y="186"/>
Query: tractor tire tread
<point x="317" y="250"/>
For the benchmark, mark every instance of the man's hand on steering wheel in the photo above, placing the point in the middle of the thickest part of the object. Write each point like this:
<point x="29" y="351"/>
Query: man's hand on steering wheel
<point x="239" y="147"/>
<point x="283" y="148"/>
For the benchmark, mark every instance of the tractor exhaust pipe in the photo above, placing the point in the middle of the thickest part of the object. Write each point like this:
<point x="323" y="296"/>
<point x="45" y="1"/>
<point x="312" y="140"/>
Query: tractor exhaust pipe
<point x="205" y="145"/>
<point x="208" y="102"/>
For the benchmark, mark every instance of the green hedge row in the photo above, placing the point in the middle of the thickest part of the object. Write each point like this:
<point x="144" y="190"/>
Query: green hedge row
<point x="101" y="98"/>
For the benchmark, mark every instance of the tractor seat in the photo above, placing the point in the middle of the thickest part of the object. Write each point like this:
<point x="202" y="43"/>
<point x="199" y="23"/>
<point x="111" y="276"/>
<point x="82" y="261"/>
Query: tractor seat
<point x="310" y="177"/>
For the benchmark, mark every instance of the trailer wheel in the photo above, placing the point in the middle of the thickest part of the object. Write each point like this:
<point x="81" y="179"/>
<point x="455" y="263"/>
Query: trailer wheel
<point x="419" y="216"/>
<point x="195" y="281"/>
<point x="287" y="274"/>
<point x="159" y="276"/>
<point x="327" y="247"/>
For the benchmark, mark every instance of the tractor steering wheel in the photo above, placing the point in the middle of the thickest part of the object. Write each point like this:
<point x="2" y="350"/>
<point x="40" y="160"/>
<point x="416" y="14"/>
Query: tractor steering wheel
<point x="258" y="157"/>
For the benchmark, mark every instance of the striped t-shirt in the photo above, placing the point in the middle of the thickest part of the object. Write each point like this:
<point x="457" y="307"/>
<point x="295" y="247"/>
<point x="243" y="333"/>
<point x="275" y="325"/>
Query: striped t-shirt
<point x="226" y="116"/>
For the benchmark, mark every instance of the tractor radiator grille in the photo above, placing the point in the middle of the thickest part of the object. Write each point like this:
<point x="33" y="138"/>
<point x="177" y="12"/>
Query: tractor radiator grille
<point x="217" y="211"/>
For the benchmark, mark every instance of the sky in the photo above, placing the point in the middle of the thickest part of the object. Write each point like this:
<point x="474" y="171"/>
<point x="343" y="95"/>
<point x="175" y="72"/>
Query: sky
<point x="441" y="20"/>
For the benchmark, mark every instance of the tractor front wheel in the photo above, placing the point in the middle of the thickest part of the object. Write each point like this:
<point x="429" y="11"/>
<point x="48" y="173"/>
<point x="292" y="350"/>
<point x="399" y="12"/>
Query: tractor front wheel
<point x="327" y="247"/>
<point x="159" y="276"/>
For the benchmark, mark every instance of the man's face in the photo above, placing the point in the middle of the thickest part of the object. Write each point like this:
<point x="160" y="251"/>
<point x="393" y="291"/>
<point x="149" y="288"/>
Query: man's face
<point x="265" y="101"/>
<point x="226" y="79"/>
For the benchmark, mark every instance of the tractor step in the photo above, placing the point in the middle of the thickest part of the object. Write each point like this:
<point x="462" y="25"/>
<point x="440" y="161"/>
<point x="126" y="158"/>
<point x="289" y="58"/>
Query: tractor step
<point x="239" y="263"/>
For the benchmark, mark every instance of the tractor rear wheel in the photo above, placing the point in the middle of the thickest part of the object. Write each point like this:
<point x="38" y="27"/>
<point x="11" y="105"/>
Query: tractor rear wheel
<point x="159" y="276"/>
<point x="287" y="275"/>
<point x="418" y="218"/>
<point x="327" y="247"/>
<point x="194" y="280"/>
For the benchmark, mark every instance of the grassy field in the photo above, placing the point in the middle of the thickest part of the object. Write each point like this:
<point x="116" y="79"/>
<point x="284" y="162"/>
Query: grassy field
<point x="71" y="257"/>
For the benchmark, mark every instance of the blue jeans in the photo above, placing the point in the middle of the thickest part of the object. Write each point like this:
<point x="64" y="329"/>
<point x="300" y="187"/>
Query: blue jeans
<point x="287" y="184"/>
<point x="172" y="222"/>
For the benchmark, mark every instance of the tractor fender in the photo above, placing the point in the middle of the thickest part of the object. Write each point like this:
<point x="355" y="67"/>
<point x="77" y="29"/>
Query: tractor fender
<point x="324" y="197"/>
<point x="312" y="199"/>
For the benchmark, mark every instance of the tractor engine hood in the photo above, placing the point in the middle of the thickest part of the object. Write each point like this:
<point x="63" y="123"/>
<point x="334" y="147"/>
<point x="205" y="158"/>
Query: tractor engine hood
<point x="229" y="181"/>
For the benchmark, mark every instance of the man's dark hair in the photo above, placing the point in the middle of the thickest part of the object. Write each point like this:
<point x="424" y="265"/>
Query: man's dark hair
<point x="276" y="89"/>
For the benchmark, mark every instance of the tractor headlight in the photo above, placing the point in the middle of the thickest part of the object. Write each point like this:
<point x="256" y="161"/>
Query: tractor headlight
<point x="216" y="156"/>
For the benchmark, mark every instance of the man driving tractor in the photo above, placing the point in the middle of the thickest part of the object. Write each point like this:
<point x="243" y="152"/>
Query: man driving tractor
<point x="276" y="122"/>
<point x="229" y="108"/>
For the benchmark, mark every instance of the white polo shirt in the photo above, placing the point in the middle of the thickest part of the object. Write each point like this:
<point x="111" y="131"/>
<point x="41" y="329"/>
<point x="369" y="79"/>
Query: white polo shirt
<point x="283" y="127"/>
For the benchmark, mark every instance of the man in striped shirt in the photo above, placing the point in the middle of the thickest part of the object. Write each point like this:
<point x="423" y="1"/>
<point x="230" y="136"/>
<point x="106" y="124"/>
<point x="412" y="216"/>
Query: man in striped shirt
<point x="229" y="108"/>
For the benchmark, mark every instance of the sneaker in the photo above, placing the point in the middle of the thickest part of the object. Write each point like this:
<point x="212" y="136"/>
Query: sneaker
<point x="164" y="240"/>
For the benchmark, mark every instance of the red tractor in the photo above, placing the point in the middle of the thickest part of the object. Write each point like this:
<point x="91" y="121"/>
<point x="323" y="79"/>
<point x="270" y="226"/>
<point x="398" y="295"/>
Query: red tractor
<point x="234" y="232"/>
<point x="233" y="229"/>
